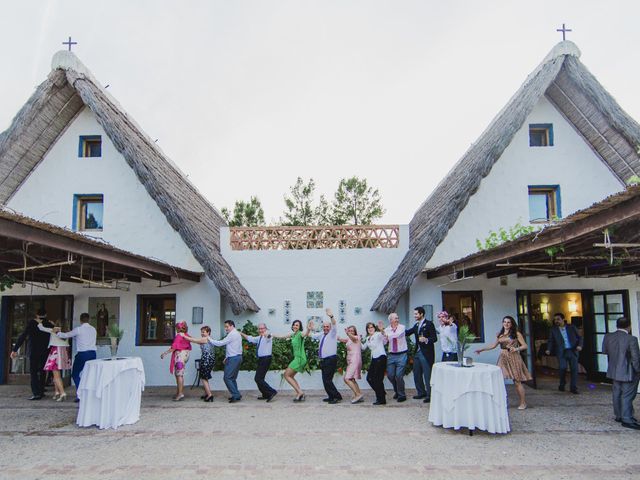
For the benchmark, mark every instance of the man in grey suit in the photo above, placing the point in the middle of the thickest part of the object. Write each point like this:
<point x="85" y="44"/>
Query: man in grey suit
<point x="566" y="344"/>
<point x="624" y="369"/>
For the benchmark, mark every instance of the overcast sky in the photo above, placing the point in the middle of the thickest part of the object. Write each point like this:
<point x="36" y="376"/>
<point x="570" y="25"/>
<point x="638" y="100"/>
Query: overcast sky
<point x="245" y="96"/>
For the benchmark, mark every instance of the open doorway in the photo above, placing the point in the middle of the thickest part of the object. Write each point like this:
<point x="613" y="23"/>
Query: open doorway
<point x="16" y="312"/>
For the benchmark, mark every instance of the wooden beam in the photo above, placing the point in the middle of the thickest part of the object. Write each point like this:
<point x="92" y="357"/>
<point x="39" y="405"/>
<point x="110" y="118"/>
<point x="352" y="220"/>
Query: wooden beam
<point x="55" y="240"/>
<point x="562" y="233"/>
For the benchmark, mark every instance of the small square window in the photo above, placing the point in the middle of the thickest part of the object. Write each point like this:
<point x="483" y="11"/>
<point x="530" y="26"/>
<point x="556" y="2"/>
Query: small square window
<point x="544" y="203"/>
<point x="88" y="212"/>
<point x="90" y="146"/>
<point x="541" y="135"/>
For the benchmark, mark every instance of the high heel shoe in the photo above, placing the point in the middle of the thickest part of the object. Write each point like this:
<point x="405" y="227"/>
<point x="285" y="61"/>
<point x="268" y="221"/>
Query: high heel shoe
<point x="522" y="407"/>
<point x="55" y="396"/>
<point x="178" y="398"/>
<point x="208" y="399"/>
<point x="299" y="398"/>
<point x="202" y="397"/>
<point x="61" y="397"/>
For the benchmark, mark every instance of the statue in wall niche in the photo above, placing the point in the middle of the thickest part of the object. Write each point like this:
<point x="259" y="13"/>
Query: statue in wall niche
<point x="102" y="320"/>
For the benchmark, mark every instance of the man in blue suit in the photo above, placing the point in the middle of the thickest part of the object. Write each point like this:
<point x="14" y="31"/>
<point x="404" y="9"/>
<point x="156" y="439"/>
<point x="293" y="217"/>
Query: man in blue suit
<point x="565" y="343"/>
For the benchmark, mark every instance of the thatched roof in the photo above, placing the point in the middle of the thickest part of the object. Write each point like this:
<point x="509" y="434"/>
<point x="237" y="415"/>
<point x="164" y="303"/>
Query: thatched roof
<point x="56" y="102"/>
<point x="575" y="92"/>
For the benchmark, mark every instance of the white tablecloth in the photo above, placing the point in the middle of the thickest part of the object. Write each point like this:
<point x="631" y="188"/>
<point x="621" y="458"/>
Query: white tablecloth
<point x="110" y="392"/>
<point x="473" y="397"/>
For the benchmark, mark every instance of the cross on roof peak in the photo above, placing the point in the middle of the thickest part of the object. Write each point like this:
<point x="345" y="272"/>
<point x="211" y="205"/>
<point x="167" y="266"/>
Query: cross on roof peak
<point x="564" y="30"/>
<point x="69" y="43"/>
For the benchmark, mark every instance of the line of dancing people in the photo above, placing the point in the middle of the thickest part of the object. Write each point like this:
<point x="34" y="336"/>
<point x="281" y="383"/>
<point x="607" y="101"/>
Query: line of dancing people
<point x="392" y="359"/>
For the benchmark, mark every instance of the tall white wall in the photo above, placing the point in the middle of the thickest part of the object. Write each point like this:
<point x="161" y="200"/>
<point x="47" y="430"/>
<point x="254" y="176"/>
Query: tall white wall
<point x="132" y="219"/>
<point x="502" y="199"/>
<point x="355" y="276"/>
<point x="498" y="300"/>
<point x="188" y="295"/>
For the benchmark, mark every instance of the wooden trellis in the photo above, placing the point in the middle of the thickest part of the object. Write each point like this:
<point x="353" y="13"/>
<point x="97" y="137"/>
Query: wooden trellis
<point x="314" y="237"/>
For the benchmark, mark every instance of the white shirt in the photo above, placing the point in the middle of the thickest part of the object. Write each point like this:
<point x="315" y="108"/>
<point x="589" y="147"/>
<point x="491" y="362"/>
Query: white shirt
<point x="265" y="344"/>
<point x="375" y="343"/>
<point x="398" y="335"/>
<point x="232" y="343"/>
<point x="85" y="337"/>
<point x="328" y="343"/>
<point x="54" y="340"/>
<point x="449" y="338"/>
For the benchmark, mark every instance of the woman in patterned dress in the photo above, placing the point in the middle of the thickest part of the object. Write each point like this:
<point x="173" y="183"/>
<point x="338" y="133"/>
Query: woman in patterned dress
<point x="299" y="361"/>
<point x="510" y="362"/>
<point x="180" y="349"/>
<point x="57" y="360"/>
<point x="207" y="360"/>
<point x="354" y="362"/>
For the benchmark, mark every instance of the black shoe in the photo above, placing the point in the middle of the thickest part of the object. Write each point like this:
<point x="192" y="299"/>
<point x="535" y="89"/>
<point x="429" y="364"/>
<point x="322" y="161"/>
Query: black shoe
<point x="36" y="397"/>
<point x="574" y="391"/>
<point x="333" y="401"/>
<point x="633" y="419"/>
<point x="635" y="426"/>
<point x="395" y="396"/>
<point x="419" y="397"/>
<point x="262" y="397"/>
<point x="402" y="399"/>
<point x="234" y="400"/>
<point x="271" y="396"/>
<point x="380" y="403"/>
<point x="202" y="397"/>
<point x="561" y="388"/>
<point x="208" y="399"/>
<point x="77" y="400"/>
<point x="326" y="399"/>
<point x="427" y="400"/>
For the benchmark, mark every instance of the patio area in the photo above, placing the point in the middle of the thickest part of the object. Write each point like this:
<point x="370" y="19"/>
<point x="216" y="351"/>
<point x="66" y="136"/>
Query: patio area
<point x="560" y="436"/>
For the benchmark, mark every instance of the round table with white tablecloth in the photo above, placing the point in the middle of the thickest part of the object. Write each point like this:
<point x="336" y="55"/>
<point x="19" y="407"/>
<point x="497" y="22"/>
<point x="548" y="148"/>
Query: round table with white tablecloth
<point x="110" y="392"/>
<point x="468" y="397"/>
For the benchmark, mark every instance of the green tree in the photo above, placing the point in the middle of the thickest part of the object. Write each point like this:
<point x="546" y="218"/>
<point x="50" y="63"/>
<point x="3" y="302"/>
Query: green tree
<point x="356" y="203"/>
<point x="245" y="214"/>
<point x="300" y="208"/>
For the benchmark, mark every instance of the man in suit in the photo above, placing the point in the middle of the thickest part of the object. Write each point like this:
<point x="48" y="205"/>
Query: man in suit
<point x="624" y="369"/>
<point x="38" y="349"/>
<point x="424" y="336"/>
<point x="565" y="343"/>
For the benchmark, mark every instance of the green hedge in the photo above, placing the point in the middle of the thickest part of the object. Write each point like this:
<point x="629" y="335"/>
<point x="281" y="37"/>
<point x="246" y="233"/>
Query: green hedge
<point x="282" y="353"/>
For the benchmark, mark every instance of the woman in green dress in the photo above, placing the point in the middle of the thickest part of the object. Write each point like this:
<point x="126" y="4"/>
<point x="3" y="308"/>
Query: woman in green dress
<point x="299" y="357"/>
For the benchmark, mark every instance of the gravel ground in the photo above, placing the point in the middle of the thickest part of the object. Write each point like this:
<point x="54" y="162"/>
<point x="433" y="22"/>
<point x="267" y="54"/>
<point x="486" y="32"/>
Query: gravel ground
<point x="559" y="436"/>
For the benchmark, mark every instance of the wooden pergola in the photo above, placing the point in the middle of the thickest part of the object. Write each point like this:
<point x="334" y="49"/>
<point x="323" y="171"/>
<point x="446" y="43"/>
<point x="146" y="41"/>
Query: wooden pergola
<point x="600" y="241"/>
<point x="38" y="252"/>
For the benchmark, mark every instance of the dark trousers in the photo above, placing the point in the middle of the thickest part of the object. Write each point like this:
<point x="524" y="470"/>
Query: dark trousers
<point x="568" y="358"/>
<point x="78" y="364"/>
<point x="449" y="357"/>
<point x="328" y="366"/>
<point x="38" y="375"/>
<point x="623" y="395"/>
<point x="261" y="372"/>
<point x="375" y="377"/>
<point x="422" y="374"/>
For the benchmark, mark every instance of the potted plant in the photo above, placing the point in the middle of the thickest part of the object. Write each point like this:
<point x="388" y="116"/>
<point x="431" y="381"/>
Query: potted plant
<point x="465" y="338"/>
<point x="115" y="334"/>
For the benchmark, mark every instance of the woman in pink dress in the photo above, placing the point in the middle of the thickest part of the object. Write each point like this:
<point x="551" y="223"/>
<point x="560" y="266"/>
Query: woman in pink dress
<point x="354" y="362"/>
<point x="57" y="360"/>
<point x="180" y="349"/>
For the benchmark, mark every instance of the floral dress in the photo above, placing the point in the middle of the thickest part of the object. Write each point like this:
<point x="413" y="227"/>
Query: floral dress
<point x="207" y="360"/>
<point x="299" y="356"/>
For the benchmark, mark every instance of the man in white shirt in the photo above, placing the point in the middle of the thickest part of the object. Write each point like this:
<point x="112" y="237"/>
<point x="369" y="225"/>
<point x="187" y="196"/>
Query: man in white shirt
<point x="85" y="343"/>
<point x="264" y="341"/>
<point x="449" y="337"/>
<point x="397" y="358"/>
<point x="233" y="358"/>
<point x="327" y="352"/>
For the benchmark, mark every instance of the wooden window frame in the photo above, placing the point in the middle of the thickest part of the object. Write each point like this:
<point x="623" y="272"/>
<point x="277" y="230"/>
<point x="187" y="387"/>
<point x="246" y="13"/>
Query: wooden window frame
<point x="552" y="193"/>
<point x="479" y="305"/>
<point x="141" y="325"/>
<point x="546" y="128"/>
<point x="79" y="207"/>
<point x="85" y="143"/>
